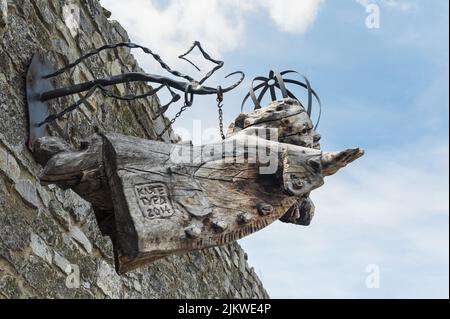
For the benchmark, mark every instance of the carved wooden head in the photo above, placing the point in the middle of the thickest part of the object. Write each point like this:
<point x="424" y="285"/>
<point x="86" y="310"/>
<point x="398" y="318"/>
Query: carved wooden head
<point x="288" y="116"/>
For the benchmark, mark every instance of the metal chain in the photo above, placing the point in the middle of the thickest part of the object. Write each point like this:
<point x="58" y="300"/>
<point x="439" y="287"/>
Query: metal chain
<point x="219" y="107"/>
<point x="187" y="104"/>
<point x="175" y="97"/>
<point x="172" y="121"/>
<point x="221" y="121"/>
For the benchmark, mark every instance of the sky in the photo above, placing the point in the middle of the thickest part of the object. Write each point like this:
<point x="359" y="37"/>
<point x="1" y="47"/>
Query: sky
<point x="381" y="228"/>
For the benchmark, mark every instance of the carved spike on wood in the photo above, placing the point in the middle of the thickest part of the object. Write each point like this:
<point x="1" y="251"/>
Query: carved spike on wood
<point x="334" y="161"/>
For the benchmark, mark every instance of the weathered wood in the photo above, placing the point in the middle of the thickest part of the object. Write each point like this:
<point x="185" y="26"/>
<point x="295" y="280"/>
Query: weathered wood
<point x="155" y="199"/>
<point x="287" y="117"/>
<point x="47" y="147"/>
<point x="83" y="170"/>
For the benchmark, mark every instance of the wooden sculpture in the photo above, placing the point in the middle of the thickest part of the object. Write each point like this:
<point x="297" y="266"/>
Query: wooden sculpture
<point x="155" y="199"/>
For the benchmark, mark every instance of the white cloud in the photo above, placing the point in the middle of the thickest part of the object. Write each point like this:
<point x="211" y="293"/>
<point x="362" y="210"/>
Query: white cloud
<point x="292" y="15"/>
<point x="218" y="25"/>
<point x="171" y="29"/>
<point x="389" y="208"/>
<point x="402" y="5"/>
<point x="395" y="188"/>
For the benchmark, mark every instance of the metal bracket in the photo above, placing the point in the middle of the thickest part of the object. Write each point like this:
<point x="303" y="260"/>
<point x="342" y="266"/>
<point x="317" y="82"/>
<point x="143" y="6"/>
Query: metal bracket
<point x="40" y="87"/>
<point x="36" y="84"/>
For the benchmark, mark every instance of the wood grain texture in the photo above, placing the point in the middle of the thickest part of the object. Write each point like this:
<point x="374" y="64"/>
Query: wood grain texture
<point x="155" y="199"/>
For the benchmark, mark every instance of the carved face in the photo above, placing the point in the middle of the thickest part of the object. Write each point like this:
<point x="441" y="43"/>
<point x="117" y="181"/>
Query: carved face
<point x="294" y="127"/>
<point x="288" y="116"/>
<point x="298" y="130"/>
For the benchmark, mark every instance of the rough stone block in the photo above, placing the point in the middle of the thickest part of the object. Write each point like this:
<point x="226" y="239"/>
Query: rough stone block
<point x="81" y="238"/>
<point x="61" y="262"/>
<point x="27" y="191"/>
<point x="40" y="248"/>
<point x="8" y="165"/>
<point x="9" y="286"/>
<point x="61" y="216"/>
<point x="78" y="206"/>
<point x="3" y="15"/>
<point x="108" y="280"/>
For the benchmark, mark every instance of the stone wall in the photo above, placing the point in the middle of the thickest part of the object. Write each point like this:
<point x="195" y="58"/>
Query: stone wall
<point x="45" y="229"/>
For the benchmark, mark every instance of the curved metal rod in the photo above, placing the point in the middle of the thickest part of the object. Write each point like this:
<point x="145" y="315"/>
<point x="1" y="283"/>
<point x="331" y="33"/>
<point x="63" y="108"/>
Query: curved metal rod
<point x="252" y="90"/>
<point x="164" y="108"/>
<point x="273" y="75"/>
<point x="263" y="91"/>
<point x="194" y="88"/>
<point x="308" y="87"/>
<point x="265" y="86"/>
<point x="219" y="64"/>
<point x="189" y="88"/>
<point x="279" y="83"/>
<point x="105" y="91"/>
<point x="273" y="94"/>
<point x="188" y="98"/>
<point x="249" y="94"/>
<point x="189" y="92"/>
<point x="117" y="45"/>
<point x="314" y="94"/>
<point x="289" y="94"/>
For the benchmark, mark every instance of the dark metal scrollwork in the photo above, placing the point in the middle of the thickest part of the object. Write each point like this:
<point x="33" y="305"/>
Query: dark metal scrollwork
<point x="276" y="81"/>
<point x="189" y="87"/>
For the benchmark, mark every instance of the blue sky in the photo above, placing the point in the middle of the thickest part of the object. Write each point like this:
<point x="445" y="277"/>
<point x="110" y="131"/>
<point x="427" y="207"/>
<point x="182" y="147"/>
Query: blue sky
<point x="385" y="90"/>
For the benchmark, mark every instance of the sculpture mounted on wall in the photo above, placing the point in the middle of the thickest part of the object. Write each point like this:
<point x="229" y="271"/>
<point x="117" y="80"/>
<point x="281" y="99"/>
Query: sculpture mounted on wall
<point x="155" y="199"/>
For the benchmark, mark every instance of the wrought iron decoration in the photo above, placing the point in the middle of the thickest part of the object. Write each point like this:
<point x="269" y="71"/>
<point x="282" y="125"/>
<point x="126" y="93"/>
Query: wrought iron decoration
<point x="276" y="81"/>
<point x="153" y="202"/>
<point x="41" y="88"/>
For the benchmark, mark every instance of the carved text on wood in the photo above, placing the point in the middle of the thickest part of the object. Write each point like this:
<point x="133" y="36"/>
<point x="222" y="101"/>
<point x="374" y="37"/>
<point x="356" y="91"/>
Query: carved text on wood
<point x="153" y="199"/>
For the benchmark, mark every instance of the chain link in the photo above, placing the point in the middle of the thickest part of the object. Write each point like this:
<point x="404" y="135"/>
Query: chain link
<point x="219" y="107"/>
<point x="185" y="106"/>
<point x="172" y="121"/>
